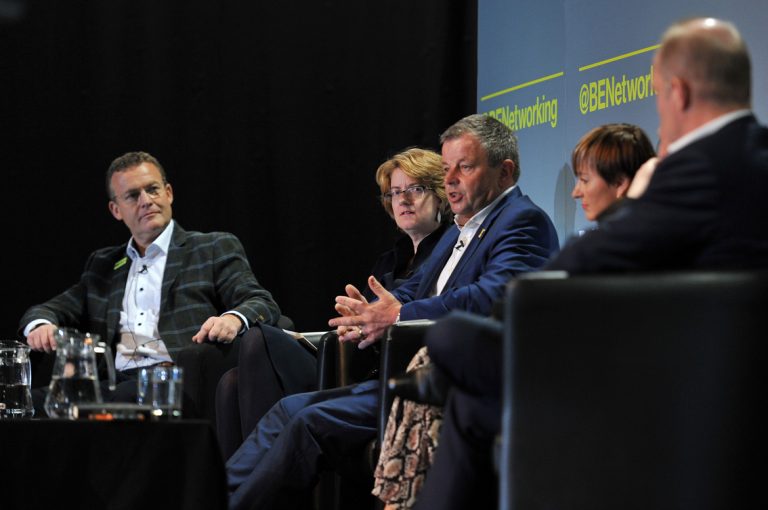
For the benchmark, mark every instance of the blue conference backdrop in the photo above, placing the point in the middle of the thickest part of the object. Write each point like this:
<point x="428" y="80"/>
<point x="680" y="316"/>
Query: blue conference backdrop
<point x="553" y="69"/>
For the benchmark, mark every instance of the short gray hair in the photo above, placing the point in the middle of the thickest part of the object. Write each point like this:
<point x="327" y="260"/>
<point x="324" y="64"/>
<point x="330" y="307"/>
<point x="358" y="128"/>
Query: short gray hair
<point x="498" y="140"/>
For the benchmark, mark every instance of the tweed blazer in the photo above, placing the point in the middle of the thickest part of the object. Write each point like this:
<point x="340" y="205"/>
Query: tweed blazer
<point x="205" y="275"/>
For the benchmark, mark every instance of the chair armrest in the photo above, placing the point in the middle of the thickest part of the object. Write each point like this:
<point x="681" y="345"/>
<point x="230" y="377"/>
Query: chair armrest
<point x="285" y="322"/>
<point x="342" y="363"/>
<point x="327" y="352"/>
<point x="401" y="343"/>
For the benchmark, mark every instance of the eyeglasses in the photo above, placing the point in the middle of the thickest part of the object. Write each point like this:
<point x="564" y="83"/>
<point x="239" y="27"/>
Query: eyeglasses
<point x="411" y="192"/>
<point x="132" y="197"/>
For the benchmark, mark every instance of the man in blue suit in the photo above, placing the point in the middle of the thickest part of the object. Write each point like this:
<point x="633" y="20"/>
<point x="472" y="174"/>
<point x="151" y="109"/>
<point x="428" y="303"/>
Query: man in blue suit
<point x="499" y="233"/>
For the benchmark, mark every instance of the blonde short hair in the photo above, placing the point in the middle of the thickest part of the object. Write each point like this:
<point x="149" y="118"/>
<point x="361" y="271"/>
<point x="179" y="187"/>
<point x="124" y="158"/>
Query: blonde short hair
<point x="425" y="166"/>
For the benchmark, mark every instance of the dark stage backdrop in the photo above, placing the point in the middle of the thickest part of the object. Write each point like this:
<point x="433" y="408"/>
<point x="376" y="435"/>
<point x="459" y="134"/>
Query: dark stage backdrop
<point x="269" y="117"/>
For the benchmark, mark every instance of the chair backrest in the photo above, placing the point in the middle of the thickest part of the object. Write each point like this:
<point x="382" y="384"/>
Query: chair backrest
<point x="641" y="391"/>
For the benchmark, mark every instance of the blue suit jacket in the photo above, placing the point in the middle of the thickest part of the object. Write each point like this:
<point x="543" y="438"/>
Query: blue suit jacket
<point x="517" y="236"/>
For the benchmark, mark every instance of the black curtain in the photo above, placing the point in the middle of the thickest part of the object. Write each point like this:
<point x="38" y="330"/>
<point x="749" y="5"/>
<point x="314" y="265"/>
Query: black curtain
<point x="270" y="119"/>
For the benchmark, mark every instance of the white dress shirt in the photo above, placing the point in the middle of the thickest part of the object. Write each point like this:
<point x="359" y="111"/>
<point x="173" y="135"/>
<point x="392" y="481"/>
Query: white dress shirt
<point x="466" y="236"/>
<point x="140" y="344"/>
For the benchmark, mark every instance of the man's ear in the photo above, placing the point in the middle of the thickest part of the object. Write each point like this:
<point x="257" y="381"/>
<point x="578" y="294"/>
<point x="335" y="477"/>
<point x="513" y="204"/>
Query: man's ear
<point x="115" y="210"/>
<point x="681" y="93"/>
<point x="507" y="174"/>
<point x="169" y="190"/>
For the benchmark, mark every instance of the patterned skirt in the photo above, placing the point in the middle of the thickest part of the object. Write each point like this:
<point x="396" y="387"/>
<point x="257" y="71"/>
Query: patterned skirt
<point x="409" y="444"/>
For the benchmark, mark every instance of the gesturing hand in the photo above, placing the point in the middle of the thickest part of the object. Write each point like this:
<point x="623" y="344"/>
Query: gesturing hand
<point x="361" y="321"/>
<point x="344" y="311"/>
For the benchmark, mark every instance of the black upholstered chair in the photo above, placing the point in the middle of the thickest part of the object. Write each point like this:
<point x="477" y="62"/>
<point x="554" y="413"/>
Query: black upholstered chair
<point x="642" y="391"/>
<point x="341" y="364"/>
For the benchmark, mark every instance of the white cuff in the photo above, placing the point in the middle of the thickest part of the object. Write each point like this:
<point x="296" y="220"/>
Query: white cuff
<point x="32" y="325"/>
<point x="242" y="318"/>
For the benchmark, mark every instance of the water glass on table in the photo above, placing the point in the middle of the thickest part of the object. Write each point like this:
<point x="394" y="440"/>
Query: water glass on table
<point x="15" y="380"/>
<point x="161" y="387"/>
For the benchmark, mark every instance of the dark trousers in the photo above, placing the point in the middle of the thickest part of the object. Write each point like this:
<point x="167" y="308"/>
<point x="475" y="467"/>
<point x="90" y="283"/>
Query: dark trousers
<point x="299" y="437"/>
<point x="467" y="348"/>
<point x="271" y="365"/>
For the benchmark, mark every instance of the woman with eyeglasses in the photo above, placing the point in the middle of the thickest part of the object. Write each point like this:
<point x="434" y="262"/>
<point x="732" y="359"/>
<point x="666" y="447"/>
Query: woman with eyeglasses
<point x="604" y="162"/>
<point x="413" y="194"/>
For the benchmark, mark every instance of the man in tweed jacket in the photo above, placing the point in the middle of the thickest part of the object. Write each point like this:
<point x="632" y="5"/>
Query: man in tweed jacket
<point x="162" y="290"/>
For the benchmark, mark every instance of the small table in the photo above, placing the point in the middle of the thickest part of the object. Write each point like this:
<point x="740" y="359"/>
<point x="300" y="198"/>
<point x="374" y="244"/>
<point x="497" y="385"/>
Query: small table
<point x="114" y="465"/>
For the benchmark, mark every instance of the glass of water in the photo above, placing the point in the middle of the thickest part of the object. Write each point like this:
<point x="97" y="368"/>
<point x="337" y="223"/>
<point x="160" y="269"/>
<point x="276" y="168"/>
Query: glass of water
<point x="166" y="392"/>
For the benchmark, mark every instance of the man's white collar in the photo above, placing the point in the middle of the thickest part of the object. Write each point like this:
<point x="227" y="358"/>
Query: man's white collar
<point x="479" y="217"/>
<point x="161" y="243"/>
<point x="707" y="129"/>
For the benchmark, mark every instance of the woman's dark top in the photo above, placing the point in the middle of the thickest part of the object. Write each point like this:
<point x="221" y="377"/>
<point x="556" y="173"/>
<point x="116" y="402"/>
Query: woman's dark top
<point x="395" y="266"/>
<point x="391" y="269"/>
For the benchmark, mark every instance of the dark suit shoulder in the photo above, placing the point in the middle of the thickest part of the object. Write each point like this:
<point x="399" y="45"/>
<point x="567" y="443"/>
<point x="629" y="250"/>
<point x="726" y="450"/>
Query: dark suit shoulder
<point x="204" y="237"/>
<point x="110" y="252"/>
<point x="519" y="211"/>
<point x="703" y="209"/>
<point x="103" y="261"/>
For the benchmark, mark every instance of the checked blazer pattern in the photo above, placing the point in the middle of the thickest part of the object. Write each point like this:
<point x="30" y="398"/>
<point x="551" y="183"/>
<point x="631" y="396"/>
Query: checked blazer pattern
<point x="206" y="274"/>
